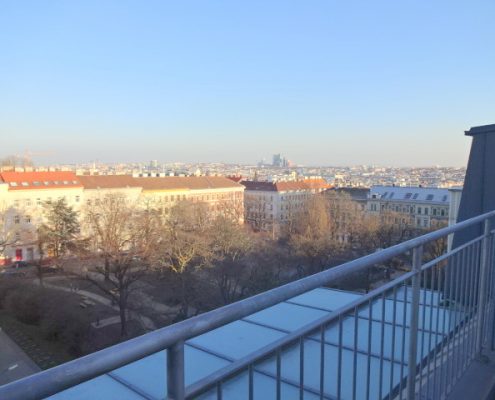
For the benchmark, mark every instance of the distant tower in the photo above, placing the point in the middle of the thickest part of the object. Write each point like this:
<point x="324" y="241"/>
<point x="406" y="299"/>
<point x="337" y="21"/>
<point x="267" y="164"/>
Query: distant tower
<point x="277" y="160"/>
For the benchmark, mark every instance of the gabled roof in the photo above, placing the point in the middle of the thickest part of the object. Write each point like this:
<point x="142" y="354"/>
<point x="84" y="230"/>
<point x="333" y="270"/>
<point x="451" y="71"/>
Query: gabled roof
<point x="186" y="182"/>
<point x="108" y="181"/>
<point x="37" y="180"/>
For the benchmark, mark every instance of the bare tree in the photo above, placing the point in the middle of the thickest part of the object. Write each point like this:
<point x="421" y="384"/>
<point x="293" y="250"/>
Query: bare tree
<point x="7" y="236"/>
<point x="230" y="245"/>
<point x="185" y="248"/>
<point x="311" y="239"/>
<point x="126" y="235"/>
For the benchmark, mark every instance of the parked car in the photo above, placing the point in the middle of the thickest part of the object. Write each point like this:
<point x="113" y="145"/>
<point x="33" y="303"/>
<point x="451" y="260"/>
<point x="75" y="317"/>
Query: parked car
<point x="20" y="264"/>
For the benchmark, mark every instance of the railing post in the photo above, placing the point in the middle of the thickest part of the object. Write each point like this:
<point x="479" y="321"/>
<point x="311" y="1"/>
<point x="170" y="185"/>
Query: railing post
<point x="413" y="323"/>
<point x="482" y="287"/>
<point x="175" y="372"/>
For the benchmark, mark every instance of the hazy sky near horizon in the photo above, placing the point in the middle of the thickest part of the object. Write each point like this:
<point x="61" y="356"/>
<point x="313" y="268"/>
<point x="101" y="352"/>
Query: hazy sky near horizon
<point x="323" y="81"/>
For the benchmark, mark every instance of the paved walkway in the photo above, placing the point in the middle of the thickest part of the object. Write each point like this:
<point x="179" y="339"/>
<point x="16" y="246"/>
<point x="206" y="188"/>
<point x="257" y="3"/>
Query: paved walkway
<point x="14" y="363"/>
<point x="147" y="322"/>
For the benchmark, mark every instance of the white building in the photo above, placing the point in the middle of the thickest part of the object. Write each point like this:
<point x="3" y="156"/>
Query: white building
<point x="270" y="205"/>
<point x="423" y="208"/>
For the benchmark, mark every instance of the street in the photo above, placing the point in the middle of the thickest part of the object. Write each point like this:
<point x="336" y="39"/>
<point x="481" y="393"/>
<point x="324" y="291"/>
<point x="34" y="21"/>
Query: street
<point x="14" y="363"/>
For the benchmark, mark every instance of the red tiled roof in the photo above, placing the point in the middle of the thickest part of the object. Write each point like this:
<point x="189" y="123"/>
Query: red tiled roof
<point x="108" y="181"/>
<point x="40" y="180"/>
<point x="186" y="182"/>
<point x="306" y="184"/>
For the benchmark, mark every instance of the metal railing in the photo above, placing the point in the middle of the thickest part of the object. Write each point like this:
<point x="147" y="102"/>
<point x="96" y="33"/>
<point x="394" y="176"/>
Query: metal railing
<point x="441" y="320"/>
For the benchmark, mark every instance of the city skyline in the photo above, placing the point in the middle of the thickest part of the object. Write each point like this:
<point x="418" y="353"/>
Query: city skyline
<point x="325" y="84"/>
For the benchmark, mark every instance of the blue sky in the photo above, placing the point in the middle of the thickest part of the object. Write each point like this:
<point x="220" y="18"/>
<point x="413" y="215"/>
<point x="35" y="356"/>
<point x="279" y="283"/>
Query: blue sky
<point x="323" y="82"/>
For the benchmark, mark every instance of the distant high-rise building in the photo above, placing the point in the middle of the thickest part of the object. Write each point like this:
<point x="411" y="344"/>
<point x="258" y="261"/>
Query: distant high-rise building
<point x="277" y="160"/>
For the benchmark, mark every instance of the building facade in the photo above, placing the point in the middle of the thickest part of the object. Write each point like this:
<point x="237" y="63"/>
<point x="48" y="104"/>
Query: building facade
<point x="418" y="207"/>
<point x="23" y="196"/>
<point x="270" y="205"/>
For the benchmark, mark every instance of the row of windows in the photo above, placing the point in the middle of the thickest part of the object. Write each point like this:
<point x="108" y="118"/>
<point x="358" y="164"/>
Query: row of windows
<point x="43" y="183"/>
<point x="38" y="201"/>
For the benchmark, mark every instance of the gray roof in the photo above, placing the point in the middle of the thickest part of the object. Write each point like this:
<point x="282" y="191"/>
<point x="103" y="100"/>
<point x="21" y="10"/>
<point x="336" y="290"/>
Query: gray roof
<point x="412" y="194"/>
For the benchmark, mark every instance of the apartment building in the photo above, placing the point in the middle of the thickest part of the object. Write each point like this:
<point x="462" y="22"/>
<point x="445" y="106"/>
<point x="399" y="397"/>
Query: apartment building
<point x="270" y="205"/>
<point x="22" y="195"/>
<point x="420" y="207"/>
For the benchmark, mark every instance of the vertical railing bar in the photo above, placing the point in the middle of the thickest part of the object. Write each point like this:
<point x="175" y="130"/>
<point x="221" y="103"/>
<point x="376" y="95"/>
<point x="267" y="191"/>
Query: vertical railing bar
<point x="354" y="360"/>
<point x="475" y="314"/>
<point x="368" y="366"/>
<point x="482" y="286"/>
<point x="445" y="332"/>
<point x="394" y="324"/>
<point x="251" y="382"/>
<point x="403" y="350"/>
<point x="455" y="327"/>
<point x="432" y="307"/>
<point x="423" y="284"/>
<point x="175" y="371"/>
<point x="459" y="314"/>
<point x="437" y="352"/>
<point x="322" y="362"/>
<point x="465" y="310"/>
<point x="451" y="328"/>
<point x="473" y="308"/>
<point x="492" y="267"/>
<point x="490" y="293"/>
<point x="413" y="325"/>
<point x="219" y="390"/>
<point x="382" y="347"/>
<point x="279" y="373"/>
<point x="339" y="370"/>
<point x="301" y="368"/>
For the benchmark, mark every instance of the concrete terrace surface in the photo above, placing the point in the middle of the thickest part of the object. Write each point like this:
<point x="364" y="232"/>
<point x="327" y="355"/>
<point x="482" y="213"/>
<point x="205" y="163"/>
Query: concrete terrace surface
<point x="10" y="355"/>
<point x="209" y="352"/>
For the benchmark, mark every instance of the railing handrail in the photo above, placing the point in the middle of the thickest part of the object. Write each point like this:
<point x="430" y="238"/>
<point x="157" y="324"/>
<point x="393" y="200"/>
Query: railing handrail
<point x="54" y="380"/>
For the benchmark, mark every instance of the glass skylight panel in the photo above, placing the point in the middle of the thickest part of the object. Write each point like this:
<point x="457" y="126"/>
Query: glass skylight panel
<point x="408" y="196"/>
<point x="415" y="196"/>
<point x="326" y="299"/>
<point x="237" y="339"/>
<point x="13" y="184"/>
<point x="429" y="197"/>
<point x="276" y="316"/>
<point x="102" y="387"/>
<point x="25" y="184"/>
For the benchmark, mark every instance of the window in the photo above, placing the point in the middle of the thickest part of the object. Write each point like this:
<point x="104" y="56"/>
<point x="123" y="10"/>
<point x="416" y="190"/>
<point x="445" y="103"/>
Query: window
<point x="444" y="198"/>
<point x="172" y="198"/>
<point x="419" y="210"/>
<point x="16" y="203"/>
<point x="17" y="236"/>
<point x="77" y="199"/>
<point x="17" y="219"/>
<point x="391" y="195"/>
<point x="28" y="202"/>
<point x="408" y="196"/>
<point x="429" y="197"/>
<point x="38" y="201"/>
<point x="36" y="183"/>
<point x="426" y="211"/>
<point x="13" y="184"/>
<point x="415" y="196"/>
<point x="28" y="219"/>
<point x="443" y="213"/>
<point x="434" y="211"/>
